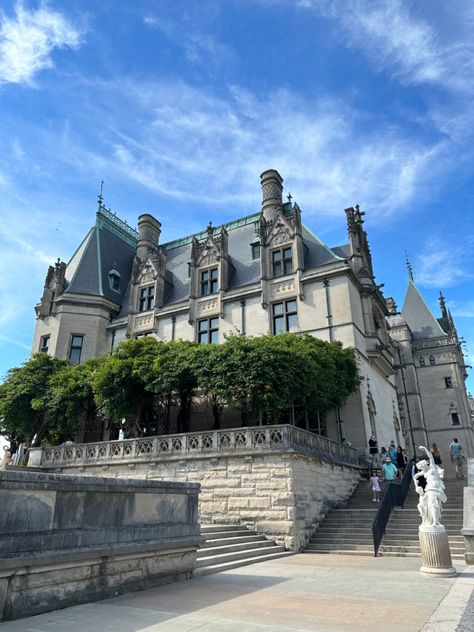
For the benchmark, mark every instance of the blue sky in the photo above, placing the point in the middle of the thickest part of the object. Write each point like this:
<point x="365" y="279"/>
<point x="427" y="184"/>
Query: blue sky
<point x="179" y="105"/>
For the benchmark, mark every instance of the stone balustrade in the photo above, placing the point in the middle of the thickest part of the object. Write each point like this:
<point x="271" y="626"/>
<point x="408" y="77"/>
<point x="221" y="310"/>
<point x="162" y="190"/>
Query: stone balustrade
<point x="279" y="480"/>
<point x="257" y="439"/>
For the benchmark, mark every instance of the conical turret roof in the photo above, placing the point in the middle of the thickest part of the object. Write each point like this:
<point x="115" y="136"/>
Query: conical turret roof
<point x="418" y="315"/>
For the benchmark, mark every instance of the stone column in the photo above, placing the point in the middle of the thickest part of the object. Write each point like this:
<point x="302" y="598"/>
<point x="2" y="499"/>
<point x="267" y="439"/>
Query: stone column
<point x="435" y="553"/>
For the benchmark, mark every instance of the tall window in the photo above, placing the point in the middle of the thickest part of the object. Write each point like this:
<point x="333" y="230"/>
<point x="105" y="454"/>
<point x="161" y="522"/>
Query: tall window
<point x="432" y="360"/>
<point x="285" y="317"/>
<point x="209" y="281"/>
<point x="75" y="349"/>
<point x="146" y="299"/>
<point x="255" y="251"/>
<point x="44" y="344"/>
<point x="208" y="330"/>
<point x="282" y="261"/>
<point x="448" y="381"/>
<point x="455" y="419"/>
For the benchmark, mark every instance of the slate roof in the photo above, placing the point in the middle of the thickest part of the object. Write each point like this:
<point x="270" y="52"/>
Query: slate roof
<point x="111" y="244"/>
<point x="419" y="317"/>
<point x="107" y="246"/>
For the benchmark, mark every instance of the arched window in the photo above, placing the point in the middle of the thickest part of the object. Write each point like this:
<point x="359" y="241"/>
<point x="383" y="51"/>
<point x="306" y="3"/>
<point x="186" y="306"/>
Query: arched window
<point x="422" y="361"/>
<point x="432" y="360"/>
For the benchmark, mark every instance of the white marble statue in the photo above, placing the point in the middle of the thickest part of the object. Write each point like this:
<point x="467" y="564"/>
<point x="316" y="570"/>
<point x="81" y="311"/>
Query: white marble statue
<point x="433" y="495"/>
<point x="7" y="458"/>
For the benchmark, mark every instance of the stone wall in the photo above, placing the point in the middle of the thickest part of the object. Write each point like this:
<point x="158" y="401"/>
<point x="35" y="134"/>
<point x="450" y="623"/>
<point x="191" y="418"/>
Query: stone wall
<point x="279" y="480"/>
<point x="65" y="540"/>
<point x="468" y="513"/>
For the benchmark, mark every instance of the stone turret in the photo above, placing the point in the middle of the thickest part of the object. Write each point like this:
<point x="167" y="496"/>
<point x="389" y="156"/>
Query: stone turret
<point x="272" y="192"/>
<point x="149" y="230"/>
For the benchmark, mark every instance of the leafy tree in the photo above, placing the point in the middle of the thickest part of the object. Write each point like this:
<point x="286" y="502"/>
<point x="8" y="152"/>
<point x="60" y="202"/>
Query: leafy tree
<point x="72" y="404"/>
<point x="174" y="376"/>
<point x="121" y="384"/>
<point x="24" y="399"/>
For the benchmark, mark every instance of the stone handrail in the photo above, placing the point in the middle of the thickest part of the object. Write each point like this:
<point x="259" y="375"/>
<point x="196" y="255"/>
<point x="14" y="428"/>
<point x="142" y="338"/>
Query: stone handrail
<point x="194" y="444"/>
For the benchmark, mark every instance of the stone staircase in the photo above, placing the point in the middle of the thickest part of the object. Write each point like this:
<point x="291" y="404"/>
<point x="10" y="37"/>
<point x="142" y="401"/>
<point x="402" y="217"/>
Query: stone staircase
<point x="349" y="530"/>
<point x="230" y="546"/>
<point x="401" y="536"/>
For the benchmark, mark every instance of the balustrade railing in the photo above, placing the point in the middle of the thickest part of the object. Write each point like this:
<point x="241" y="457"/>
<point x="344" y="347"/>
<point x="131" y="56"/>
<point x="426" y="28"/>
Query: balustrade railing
<point x="235" y="440"/>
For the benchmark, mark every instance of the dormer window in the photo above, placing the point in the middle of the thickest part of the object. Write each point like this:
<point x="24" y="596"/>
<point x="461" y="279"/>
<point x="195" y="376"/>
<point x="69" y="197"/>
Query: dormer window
<point x="432" y="360"/>
<point x="422" y="361"/>
<point x="282" y="261"/>
<point x="209" y="281"/>
<point x="146" y="298"/>
<point x="255" y="251"/>
<point x="114" y="279"/>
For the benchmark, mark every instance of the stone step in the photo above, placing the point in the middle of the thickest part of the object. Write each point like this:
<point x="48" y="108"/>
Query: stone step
<point x="211" y="528"/>
<point x="206" y="551"/>
<point x="328" y="548"/>
<point x="339" y="542"/>
<point x="340" y="552"/>
<point x="221" y="535"/>
<point x="227" y="566"/>
<point x="453" y="543"/>
<point x="217" y="542"/>
<point x="237" y="555"/>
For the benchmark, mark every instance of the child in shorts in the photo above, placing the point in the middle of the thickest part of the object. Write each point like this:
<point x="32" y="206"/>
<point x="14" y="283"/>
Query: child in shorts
<point x="374" y="485"/>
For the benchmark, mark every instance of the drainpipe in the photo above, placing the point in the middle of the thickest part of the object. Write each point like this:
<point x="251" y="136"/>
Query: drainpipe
<point x="173" y="326"/>
<point x="328" y="310"/>
<point x="242" y="311"/>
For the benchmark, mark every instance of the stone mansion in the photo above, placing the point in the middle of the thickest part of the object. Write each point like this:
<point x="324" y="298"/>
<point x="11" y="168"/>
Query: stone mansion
<point x="266" y="273"/>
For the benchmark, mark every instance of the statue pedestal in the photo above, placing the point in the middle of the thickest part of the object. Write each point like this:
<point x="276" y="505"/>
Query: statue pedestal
<point x="435" y="553"/>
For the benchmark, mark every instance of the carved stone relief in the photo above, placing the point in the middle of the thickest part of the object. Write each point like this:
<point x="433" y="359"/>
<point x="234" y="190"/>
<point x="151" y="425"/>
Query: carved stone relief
<point x="143" y="321"/>
<point x="283" y="287"/>
<point x="205" y="307"/>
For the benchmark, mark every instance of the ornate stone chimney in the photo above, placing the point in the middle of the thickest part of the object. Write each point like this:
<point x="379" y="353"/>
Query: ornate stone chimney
<point x="272" y="190"/>
<point x="149" y="230"/>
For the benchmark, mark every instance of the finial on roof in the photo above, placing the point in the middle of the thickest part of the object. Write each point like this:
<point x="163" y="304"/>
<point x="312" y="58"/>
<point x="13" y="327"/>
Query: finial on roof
<point x="409" y="268"/>
<point x="100" y="197"/>
<point x="289" y="197"/>
<point x="210" y="229"/>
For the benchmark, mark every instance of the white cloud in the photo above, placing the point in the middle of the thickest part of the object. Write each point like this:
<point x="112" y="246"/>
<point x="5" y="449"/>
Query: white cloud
<point x="434" y="46"/>
<point x="28" y="40"/>
<point x="443" y="265"/>
<point x="189" y="144"/>
<point x="200" y="47"/>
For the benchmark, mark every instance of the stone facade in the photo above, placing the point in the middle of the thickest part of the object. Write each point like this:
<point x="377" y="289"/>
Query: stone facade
<point x="66" y="540"/>
<point x="121" y="283"/>
<point x="279" y="480"/>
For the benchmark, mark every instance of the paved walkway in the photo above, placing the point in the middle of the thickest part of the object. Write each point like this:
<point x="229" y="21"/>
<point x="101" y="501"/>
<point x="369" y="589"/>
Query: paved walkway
<point x="323" y="593"/>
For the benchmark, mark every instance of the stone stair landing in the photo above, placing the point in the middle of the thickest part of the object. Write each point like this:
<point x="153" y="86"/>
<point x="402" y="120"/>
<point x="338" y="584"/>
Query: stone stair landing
<point x="230" y="546"/>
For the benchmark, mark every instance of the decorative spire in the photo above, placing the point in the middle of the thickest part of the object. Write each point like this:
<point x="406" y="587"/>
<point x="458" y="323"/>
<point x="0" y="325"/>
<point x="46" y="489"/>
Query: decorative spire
<point x="100" y="197"/>
<point x="210" y="229"/>
<point x="409" y="268"/>
<point x="442" y="304"/>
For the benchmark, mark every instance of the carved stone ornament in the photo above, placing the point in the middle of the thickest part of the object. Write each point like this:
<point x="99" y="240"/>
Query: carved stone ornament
<point x="371" y="403"/>
<point x="208" y="258"/>
<point x="282" y="287"/>
<point x="205" y="307"/>
<point x="142" y="321"/>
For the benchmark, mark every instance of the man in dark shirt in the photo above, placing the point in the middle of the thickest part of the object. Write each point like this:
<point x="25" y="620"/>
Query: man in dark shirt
<point x="373" y="451"/>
